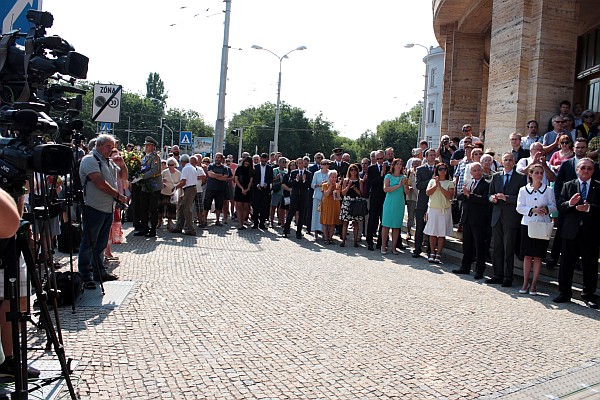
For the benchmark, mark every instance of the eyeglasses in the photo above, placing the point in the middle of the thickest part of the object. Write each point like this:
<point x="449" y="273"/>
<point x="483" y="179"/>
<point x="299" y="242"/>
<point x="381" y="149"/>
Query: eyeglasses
<point x="477" y="154"/>
<point x="171" y="165"/>
<point x="442" y="169"/>
<point x="560" y="122"/>
<point x="467" y="130"/>
<point x="586" y="168"/>
<point x="365" y="163"/>
<point x="379" y="158"/>
<point x="325" y="164"/>
<point x="468" y="141"/>
<point x="565" y="142"/>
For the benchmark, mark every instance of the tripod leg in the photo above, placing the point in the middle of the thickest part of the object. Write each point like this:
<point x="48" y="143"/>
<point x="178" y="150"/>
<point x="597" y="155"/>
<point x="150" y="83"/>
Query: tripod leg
<point x="23" y="248"/>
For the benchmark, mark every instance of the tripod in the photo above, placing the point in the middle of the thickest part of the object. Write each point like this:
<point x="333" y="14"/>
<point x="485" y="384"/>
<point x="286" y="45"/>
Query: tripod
<point x="14" y="248"/>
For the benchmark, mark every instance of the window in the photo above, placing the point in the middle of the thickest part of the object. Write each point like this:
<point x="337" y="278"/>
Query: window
<point x="431" y="114"/>
<point x="432" y="74"/>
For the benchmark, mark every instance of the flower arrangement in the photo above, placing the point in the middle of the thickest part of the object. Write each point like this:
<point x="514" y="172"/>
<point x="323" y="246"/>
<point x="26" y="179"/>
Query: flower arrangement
<point x="133" y="161"/>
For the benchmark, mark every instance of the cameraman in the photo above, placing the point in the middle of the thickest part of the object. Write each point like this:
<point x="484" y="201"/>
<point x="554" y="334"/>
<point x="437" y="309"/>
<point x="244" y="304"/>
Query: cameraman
<point x="445" y="151"/>
<point x="98" y="174"/>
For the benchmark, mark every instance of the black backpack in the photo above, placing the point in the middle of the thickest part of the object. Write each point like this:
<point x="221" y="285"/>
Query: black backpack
<point x="70" y="287"/>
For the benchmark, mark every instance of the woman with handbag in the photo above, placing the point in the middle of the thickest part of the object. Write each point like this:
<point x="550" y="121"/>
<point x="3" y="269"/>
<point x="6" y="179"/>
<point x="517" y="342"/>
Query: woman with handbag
<point x="330" y="206"/>
<point x="535" y="202"/>
<point x="169" y="197"/>
<point x="440" y="190"/>
<point x="351" y="210"/>
<point x="395" y="186"/>
<point x="319" y="177"/>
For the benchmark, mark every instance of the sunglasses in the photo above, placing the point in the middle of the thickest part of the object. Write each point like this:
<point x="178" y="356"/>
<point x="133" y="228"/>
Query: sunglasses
<point x="565" y="142"/>
<point x="325" y="164"/>
<point x="442" y="169"/>
<point x="171" y="165"/>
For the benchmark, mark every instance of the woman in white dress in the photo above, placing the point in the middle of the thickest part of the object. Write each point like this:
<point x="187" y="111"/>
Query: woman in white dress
<point x="318" y="178"/>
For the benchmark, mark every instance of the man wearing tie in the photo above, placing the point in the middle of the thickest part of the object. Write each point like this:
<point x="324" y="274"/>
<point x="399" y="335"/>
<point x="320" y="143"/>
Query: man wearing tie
<point x="506" y="221"/>
<point x="299" y="181"/>
<point x="338" y="164"/>
<point x="375" y="175"/>
<point x="424" y="175"/>
<point x="261" y="194"/>
<point x="580" y="202"/>
<point x="475" y="217"/>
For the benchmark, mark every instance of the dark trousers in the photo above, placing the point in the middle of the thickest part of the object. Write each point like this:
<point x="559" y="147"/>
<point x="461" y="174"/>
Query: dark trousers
<point x="298" y="204"/>
<point x="571" y="250"/>
<point x="374" y="221"/>
<point x="557" y="242"/>
<point x="503" y="259"/>
<point x="261" y="200"/>
<point x="149" y="210"/>
<point x="419" y="228"/>
<point x="473" y="238"/>
<point x="136" y="197"/>
<point x="308" y="212"/>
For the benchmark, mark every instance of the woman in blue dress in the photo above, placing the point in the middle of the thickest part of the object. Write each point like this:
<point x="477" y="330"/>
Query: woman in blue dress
<point x="395" y="185"/>
<point x="318" y="178"/>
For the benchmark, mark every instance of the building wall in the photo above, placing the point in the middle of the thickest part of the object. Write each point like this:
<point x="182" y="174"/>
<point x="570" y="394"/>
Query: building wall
<point x="434" y="63"/>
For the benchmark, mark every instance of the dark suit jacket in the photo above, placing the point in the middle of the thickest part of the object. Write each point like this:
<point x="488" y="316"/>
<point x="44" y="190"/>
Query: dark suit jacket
<point x="567" y="173"/>
<point x="422" y="179"/>
<point x="506" y="211"/>
<point x="299" y="189"/>
<point x="375" y="181"/>
<point x="521" y="153"/>
<point x="476" y="207"/>
<point x="268" y="176"/>
<point x="575" y="220"/>
<point x="342" y="169"/>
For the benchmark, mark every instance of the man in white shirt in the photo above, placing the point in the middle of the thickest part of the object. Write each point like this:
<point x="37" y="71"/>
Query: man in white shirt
<point x="189" y="178"/>
<point x="468" y="131"/>
<point x="536" y="157"/>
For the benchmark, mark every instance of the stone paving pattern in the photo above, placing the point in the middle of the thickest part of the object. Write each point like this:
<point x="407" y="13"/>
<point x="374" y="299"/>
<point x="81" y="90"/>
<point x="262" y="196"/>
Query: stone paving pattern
<point x="250" y="315"/>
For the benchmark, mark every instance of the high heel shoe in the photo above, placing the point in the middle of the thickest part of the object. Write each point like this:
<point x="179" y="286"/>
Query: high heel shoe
<point x="523" y="291"/>
<point x="343" y="244"/>
<point x="355" y="243"/>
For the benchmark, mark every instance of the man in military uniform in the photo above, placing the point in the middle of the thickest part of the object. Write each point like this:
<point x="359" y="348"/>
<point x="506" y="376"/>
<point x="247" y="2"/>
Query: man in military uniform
<point x="151" y="182"/>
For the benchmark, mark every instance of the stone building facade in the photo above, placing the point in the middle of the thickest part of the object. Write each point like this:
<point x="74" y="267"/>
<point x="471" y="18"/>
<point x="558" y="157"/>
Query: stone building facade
<point x="434" y="62"/>
<point x="509" y="61"/>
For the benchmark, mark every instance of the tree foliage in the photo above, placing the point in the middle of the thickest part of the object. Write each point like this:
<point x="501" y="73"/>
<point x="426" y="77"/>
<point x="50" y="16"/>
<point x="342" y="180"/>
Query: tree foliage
<point x="155" y="88"/>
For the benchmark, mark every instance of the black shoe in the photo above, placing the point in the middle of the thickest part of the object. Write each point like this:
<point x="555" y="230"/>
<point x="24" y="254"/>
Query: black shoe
<point x="416" y="255"/>
<point x="90" y="285"/>
<point x="552" y="263"/>
<point x="378" y="247"/>
<point x="370" y="247"/>
<point x="255" y="226"/>
<point x="151" y="233"/>
<point x="284" y="234"/>
<point x="298" y="236"/>
<point x="561" y="298"/>
<point x="507" y="284"/>
<point x="141" y="233"/>
<point x="108" y="277"/>
<point x="591" y="304"/>
<point x="477" y="277"/>
<point x="7" y="368"/>
<point x="461" y="271"/>
<point x="262" y="226"/>
<point x="493" y="281"/>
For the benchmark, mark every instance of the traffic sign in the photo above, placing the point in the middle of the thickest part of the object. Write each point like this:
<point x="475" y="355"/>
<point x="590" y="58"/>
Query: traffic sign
<point x="185" y="138"/>
<point x="107" y="103"/>
<point x="105" y="126"/>
<point x="13" y="14"/>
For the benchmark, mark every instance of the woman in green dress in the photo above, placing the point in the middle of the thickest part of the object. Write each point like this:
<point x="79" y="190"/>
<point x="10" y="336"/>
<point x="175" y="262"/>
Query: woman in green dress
<point x="395" y="185"/>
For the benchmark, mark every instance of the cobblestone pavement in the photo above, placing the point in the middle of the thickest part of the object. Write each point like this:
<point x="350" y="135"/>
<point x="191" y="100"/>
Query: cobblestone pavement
<point x="250" y="315"/>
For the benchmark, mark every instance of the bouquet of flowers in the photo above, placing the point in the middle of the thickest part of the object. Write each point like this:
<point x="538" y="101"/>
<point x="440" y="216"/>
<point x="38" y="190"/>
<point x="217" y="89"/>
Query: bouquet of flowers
<point x="133" y="161"/>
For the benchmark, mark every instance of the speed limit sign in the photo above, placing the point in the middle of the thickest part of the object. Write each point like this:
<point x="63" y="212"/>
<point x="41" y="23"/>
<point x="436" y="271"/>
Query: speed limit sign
<point x="107" y="103"/>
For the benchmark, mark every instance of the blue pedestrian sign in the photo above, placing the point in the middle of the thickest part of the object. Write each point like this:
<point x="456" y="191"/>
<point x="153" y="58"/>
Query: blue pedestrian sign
<point x="185" y="138"/>
<point x="13" y="14"/>
<point x="105" y="126"/>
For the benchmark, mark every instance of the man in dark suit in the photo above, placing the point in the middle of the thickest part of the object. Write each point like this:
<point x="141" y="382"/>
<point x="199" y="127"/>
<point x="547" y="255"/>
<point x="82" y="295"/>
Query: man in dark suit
<point x="517" y="150"/>
<point x="424" y="174"/>
<point x="375" y="175"/>
<point x="299" y="181"/>
<point x="506" y="221"/>
<point x="338" y="164"/>
<point x="475" y="220"/>
<point x="580" y="202"/>
<point x="261" y="192"/>
<point x="567" y="173"/>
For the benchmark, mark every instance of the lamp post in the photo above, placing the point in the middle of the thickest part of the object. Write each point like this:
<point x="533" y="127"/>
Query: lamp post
<point x="422" y="121"/>
<point x="276" y="133"/>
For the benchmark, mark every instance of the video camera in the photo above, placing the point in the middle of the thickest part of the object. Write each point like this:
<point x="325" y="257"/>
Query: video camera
<point x="27" y="100"/>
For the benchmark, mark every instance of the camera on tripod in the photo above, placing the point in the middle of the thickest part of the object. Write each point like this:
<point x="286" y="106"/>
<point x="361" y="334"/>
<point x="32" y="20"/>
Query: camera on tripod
<point x="25" y="121"/>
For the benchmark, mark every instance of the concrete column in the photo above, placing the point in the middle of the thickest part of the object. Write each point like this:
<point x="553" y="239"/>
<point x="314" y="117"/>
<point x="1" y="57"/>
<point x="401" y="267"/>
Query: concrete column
<point x="533" y="45"/>
<point x="462" y="81"/>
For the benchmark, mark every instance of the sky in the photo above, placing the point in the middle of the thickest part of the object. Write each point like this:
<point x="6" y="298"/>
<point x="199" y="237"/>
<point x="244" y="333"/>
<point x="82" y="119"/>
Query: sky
<point x="355" y="70"/>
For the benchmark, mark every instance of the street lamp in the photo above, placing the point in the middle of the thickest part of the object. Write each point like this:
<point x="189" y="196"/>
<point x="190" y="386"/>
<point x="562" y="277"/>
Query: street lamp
<point x="422" y="121"/>
<point x="276" y="134"/>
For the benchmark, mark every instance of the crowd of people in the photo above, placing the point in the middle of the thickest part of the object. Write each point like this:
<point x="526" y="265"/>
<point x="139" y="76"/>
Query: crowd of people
<point x="509" y="203"/>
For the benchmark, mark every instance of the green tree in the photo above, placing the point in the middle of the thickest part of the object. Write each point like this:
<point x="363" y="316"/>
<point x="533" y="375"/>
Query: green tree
<point x="155" y="88"/>
<point x="401" y="133"/>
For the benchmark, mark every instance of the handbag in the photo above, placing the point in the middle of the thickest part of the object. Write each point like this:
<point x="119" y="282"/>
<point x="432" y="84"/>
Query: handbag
<point x="358" y="207"/>
<point x="540" y="230"/>
<point x="174" y="197"/>
<point x="286" y="201"/>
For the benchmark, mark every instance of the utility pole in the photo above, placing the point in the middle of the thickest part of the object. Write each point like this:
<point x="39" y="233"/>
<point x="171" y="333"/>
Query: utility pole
<point x="220" y="124"/>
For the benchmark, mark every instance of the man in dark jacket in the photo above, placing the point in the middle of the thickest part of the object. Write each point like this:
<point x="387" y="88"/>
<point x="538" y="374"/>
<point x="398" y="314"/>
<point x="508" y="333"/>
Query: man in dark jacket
<point x="261" y="192"/>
